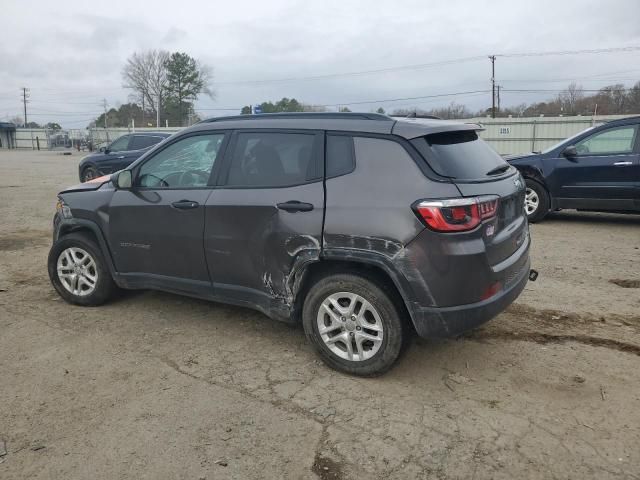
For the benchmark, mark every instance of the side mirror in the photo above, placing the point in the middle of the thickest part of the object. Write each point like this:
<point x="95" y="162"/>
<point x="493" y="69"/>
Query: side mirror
<point x="103" y="149"/>
<point x="570" y="152"/>
<point x="122" y="180"/>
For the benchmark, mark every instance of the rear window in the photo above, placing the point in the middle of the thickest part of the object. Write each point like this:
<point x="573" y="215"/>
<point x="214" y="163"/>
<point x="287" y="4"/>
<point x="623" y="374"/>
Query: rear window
<point x="459" y="154"/>
<point x="138" y="142"/>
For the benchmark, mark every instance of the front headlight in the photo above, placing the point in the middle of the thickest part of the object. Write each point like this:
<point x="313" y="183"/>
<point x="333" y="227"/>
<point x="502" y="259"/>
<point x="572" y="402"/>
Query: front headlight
<point x="63" y="209"/>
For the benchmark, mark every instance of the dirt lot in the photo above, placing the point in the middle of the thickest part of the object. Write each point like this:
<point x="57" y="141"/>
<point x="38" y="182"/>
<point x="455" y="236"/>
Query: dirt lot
<point x="159" y="386"/>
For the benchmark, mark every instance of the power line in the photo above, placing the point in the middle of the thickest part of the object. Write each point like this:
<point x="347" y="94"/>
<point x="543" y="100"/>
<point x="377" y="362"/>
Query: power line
<point x="582" y="77"/>
<point x="352" y="74"/>
<point x="631" y="48"/>
<point x="433" y="64"/>
<point x="542" y="90"/>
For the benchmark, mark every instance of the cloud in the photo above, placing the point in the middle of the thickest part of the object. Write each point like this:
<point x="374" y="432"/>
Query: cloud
<point x="174" y="35"/>
<point x="78" y="57"/>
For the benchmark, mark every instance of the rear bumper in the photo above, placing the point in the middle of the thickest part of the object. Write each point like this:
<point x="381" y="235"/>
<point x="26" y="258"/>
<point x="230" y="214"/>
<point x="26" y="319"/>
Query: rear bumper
<point x="442" y="322"/>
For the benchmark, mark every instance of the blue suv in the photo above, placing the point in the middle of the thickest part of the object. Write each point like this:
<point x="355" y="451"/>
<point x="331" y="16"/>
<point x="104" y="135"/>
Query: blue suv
<point x="595" y="170"/>
<point x="118" y="154"/>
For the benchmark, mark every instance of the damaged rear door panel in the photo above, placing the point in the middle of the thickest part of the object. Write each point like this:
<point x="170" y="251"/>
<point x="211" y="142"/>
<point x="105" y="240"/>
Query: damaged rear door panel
<point x="263" y="223"/>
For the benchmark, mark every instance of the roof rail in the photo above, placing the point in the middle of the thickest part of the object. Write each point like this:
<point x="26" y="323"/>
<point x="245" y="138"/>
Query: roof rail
<point x="305" y="115"/>
<point x="418" y="115"/>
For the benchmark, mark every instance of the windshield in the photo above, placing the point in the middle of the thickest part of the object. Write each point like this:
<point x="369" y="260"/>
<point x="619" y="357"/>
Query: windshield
<point x="460" y="155"/>
<point x="567" y="140"/>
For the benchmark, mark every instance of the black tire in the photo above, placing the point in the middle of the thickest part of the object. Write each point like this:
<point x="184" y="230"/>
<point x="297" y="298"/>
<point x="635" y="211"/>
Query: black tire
<point x="544" y="201"/>
<point x="104" y="285"/>
<point x="382" y="298"/>
<point x="89" y="173"/>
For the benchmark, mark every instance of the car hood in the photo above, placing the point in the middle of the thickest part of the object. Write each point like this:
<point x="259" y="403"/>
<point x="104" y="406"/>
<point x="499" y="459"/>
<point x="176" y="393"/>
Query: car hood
<point x="94" y="184"/>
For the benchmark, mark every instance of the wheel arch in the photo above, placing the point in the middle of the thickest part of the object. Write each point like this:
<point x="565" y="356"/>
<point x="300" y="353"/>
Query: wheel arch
<point x="91" y="229"/>
<point x="368" y="264"/>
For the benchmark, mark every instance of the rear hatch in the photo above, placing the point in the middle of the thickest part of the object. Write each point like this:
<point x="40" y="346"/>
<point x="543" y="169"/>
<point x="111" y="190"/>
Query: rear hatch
<point x="478" y="171"/>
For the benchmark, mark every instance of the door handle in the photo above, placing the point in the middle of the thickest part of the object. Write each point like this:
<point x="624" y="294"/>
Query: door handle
<point x="120" y="157"/>
<point x="185" y="204"/>
<point x="623" y="164"/>
<point x="295" y="206"/>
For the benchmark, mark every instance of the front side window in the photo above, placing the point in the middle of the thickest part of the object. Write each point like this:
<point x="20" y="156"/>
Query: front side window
<point x="612" y="141"/>
<point x="186" y="163"/>
<point x="139" y="142"/>
<point x="269" y="159"/>
<point x="120" y="145"/>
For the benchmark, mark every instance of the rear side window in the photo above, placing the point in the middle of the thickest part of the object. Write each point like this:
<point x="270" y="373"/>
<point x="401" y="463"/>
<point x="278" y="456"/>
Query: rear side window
<point x="269" y="159"/>
<point x="139" y="142"/>
<point x="459" y="154"/>
<point x="120" y="145"/>
<point x="340" y="155"/>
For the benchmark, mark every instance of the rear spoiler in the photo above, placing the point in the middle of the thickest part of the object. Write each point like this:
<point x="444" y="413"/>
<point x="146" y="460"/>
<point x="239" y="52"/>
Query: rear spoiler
<point x="410" y="128"/>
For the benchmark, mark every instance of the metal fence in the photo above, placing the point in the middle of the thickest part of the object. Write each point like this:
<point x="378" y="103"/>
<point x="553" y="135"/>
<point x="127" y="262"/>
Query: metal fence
<point x="505" y="135"/>
<point x="532" y="134"/>
<point x="85" y="139"/>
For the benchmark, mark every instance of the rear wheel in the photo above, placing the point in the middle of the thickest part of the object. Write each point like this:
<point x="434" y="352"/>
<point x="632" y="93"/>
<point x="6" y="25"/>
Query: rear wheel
<point x="354" y="324"/>
<point x="79" y="272"/>
<point x="536" y="202"/>
<point x="90" y="173"/>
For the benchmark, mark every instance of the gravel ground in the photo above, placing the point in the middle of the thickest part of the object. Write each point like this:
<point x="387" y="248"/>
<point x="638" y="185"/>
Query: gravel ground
<point x="157" y="386"/>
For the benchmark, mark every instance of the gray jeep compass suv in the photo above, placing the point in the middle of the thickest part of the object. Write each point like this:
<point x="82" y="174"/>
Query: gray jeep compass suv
<point x="361" y="227"/>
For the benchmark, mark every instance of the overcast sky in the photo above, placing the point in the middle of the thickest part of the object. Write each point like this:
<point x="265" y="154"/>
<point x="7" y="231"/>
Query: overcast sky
<point x="70" y="54"/>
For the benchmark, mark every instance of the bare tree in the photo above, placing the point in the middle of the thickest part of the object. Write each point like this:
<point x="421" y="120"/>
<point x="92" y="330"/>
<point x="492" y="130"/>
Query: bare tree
<point x="633" y="99"/>
<point x="570" y="98"/>
<point x="146" y="74"/>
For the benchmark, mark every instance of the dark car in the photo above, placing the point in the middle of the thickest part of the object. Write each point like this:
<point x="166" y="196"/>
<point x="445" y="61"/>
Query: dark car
<point x="118" y="154"/>
<point x="595" y="170"/>
<point x="358" y="226"/>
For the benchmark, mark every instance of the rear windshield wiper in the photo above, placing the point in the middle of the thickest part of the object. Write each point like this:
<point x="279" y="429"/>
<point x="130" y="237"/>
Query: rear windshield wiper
<point x="498" y="169"/>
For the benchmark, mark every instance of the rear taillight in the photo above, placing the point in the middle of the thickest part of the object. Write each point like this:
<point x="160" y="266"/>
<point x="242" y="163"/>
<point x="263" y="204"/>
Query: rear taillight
<point x="457" y="214"/>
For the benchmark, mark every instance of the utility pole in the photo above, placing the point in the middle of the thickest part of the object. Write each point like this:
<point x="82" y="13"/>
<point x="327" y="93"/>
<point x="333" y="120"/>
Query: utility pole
<point x="25" y="97"/>
<point x="493" y="85"/>
<point x="104" y="104"/>
<point x="498" y="96"/>
<point x="158" y="112"/>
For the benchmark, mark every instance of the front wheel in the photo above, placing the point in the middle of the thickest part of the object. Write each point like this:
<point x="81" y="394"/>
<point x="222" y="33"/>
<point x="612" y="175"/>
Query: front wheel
<point x="89" y="173"/>
<point x="354" y="324"/>
<point x="536" y="201"/>
<point x="78" y="271"/>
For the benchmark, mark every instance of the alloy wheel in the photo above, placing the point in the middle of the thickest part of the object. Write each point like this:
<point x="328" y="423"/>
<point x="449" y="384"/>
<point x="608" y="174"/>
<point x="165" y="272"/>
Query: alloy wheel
<point x="531" y="201"/>
<point x="350" y="326"/>
<point x="77" y="271"/>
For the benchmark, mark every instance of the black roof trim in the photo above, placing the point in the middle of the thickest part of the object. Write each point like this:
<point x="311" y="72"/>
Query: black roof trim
<point x="621" y="121"/>
<point x="306" y="115"/>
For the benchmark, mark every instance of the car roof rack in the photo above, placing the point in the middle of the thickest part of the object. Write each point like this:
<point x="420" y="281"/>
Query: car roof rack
<point x="421" y="115"/>
<point x="303" y="115"/>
